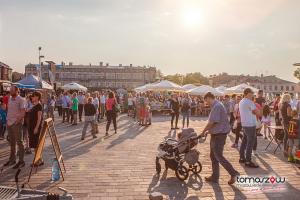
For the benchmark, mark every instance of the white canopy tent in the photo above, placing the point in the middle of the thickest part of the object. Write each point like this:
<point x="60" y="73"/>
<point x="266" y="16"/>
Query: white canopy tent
<point x="165" y="85"/>
<point x="189" y="86"/>
<point x="221" y="88"/>
<point x="74" y="86"/>
<point x="203" y="89"/>
<point x="143" y="88"/>
<point x="239" y="89"/>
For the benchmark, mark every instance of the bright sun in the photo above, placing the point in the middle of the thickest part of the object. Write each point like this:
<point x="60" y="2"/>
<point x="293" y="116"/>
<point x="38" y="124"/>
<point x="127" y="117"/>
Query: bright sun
<point x="192" y="17"/>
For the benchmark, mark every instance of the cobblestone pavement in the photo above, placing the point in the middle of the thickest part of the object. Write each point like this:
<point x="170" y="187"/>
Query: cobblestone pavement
<point x="122" y="166"/>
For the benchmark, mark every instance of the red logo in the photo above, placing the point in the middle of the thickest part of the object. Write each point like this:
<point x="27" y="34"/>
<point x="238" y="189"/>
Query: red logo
<point x="272" y="179"/>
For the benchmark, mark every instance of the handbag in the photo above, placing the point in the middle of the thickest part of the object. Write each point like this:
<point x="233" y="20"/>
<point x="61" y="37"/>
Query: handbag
<point x="116" y="108"/>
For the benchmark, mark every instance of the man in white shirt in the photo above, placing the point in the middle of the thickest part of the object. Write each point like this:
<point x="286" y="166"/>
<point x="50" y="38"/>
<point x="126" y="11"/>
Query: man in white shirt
<point x="102" y="104"/>
<point x="15" y="116"/>
<point x="81" y="99"/>
<point x="248" y="112"/>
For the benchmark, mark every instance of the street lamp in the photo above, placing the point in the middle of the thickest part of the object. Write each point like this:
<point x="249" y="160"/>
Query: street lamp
<point x="40" y="69"/>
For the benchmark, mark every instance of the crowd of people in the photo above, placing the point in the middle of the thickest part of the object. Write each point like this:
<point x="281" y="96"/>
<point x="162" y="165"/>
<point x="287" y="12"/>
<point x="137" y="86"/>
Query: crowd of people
<point x="22" y="117"/>
<point x="248" y="115"/>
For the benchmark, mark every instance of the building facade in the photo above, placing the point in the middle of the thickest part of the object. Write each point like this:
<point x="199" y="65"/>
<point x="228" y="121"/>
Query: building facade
<point x="95" y="76"/>
<point x="5" y="72"/>
<point x="270" y="84"/>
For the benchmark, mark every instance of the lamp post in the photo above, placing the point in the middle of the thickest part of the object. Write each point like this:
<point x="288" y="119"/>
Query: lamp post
<point x="40" y="69"/>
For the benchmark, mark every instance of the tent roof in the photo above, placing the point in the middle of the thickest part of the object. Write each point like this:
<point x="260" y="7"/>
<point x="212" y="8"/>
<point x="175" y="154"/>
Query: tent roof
<point x="239" y="89"/>
<point x="74" y="86"/>
<point x="166" y="85"/>
<point x="34" y="80"/>
<point x="189" y="86"/>
<point x="203" y="89"/>
<point x="221" y="88"/>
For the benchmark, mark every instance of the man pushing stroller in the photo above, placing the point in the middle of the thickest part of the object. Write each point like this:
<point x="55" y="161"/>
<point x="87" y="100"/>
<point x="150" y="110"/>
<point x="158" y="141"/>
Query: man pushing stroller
<point x="218" y="126"/>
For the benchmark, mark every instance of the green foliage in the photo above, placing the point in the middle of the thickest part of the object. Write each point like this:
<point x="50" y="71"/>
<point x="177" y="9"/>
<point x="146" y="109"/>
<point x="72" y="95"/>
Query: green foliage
<point x="297" y="73"/>
<point x="195" y="78"/>
<point x="191" y="78"/>
<point x="176" y="78"/>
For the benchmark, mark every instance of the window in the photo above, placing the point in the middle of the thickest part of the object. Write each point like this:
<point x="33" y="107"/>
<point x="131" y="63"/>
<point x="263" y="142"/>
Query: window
<point x="275" y="87"/>
<point x="292" y="88"/>
<point x="281" y="87"/>
<point x="287" y="88"/>
<point x="265" y="87"/>
<point x="270" y="87"/>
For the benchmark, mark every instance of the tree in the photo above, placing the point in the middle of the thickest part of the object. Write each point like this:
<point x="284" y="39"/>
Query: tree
<point x="297" y="73"/>
<point x="191" y="78"/>
<point x="195" y="78"/>
<point x="176" y="78"/>
<point x="159" y="74"/>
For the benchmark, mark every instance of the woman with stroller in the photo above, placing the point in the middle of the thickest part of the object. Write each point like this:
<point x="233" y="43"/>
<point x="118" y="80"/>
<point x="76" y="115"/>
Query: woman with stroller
<point x="111" y="111"/>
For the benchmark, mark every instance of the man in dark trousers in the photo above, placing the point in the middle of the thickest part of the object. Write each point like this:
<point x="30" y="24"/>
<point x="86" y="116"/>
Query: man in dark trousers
<point x="218" y="127"/>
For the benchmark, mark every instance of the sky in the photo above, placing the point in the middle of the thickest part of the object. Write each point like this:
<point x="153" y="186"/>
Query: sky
<point x="176" y="36"/>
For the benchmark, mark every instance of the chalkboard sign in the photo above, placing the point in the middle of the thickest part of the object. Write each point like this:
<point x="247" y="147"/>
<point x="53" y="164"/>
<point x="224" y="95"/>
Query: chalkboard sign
<point x="48" y="127"/>
<point x="40" y="147"/>
<point x="52" y="133"/>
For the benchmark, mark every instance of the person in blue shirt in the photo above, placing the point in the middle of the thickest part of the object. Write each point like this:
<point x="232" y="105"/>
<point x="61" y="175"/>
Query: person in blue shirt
<point x="218" y="126"/>
<point x="2" y="120"/>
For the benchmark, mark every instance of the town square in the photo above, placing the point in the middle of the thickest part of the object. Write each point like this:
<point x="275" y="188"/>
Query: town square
<point x="149" y="100"/>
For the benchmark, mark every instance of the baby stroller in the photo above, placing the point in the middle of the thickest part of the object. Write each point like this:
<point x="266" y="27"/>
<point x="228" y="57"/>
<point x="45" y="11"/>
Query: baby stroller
<point x="180" y="155"/>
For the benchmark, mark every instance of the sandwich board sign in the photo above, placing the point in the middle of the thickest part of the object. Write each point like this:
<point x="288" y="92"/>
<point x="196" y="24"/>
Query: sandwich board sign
<point x="48" y="128"/>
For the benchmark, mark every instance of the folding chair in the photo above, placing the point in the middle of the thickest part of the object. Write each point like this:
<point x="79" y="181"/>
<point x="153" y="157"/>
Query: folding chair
<point x="277" y="137"/>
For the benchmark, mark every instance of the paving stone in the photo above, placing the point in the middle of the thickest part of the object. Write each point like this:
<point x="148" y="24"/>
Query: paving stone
<point x="122" y="166"/>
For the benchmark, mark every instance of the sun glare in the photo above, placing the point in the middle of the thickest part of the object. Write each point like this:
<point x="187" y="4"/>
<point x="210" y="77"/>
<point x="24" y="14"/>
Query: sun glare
<point x="192" y="17"/>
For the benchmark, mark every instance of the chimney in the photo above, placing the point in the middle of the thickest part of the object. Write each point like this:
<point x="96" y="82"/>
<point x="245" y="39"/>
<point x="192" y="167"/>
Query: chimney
<point x="120" y="65"/>
<point x="262" y="75"/>
<point x="101" y="64"/>
<point x="107" y="64"/>
<point x="70" y="63"/>
<point x="130" y="65"/>
<point x="90" y="64"/>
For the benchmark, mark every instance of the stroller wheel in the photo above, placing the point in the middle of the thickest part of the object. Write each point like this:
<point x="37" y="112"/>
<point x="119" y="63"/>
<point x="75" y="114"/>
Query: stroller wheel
<point x="182" y="172"/>
<point x="197" y="168"/>
<point x="158" y="166"/>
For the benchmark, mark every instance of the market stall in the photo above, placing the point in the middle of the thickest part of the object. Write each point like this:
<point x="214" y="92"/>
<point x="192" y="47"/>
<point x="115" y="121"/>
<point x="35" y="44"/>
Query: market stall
<point x="239" y="89"/>
<point x="203" y="89"/>
<point x="165" y="85"/>
<point x="189" y="86"/>
<point x="74" y="86"/>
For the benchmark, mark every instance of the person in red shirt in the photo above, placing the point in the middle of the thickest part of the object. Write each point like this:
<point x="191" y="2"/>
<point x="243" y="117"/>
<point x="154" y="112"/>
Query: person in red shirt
<point x="5" y="99"/>
<point x="111" y="111"/>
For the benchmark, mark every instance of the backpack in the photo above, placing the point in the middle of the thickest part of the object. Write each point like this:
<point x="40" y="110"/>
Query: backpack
<point x="293" y="129"/>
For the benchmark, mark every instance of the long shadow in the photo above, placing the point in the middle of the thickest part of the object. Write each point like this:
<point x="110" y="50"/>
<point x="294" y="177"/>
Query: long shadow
<point x="290" y="193"/>
<point x="130" y="133"/>
<point x="172" y="187"/>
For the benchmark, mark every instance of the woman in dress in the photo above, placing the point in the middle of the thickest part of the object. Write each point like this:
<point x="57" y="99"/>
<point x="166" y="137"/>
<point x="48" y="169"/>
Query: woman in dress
<point x="35" y="122"/>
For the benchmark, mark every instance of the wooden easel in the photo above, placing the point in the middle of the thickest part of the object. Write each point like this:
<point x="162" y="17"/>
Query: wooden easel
<point x="48" y="127"/>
